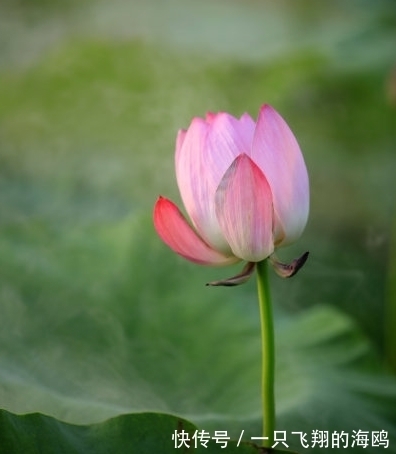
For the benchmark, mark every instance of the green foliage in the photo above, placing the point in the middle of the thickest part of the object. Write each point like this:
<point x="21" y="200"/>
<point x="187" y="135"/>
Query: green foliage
<point x="142" y="433"/>
<point x="125" y="334"/>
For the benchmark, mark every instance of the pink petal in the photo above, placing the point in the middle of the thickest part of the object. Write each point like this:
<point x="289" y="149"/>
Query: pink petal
<point x="244" y="210"/>
<point x="193" y="179"/>
<point x="228" y="137"/>
<point x="276" y="152"/>
<point x="208" y="149"/>
<point x="180" y="139"/>
<point x="174" y="230"/>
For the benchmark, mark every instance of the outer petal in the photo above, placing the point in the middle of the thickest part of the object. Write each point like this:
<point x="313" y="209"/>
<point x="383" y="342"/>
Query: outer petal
<point x="244" y="210"/>
<point x="275" y="150"/>
<point x="180" y="139"/>
<point x="174" y="230"/>
<point x="203" y="155"/>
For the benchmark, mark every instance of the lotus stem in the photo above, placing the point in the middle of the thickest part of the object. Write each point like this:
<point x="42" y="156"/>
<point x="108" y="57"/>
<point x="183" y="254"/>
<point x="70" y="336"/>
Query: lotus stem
<point x="268" y="354"/>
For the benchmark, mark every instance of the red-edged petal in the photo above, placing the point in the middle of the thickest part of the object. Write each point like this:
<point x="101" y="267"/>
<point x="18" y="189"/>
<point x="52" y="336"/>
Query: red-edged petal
<point x="244" y="210"/>
<point x="276" y="151"/>
<point x="174" y="230"/>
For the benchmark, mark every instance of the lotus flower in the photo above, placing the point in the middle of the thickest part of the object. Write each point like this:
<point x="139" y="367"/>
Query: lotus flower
<point x="244" y="185"/>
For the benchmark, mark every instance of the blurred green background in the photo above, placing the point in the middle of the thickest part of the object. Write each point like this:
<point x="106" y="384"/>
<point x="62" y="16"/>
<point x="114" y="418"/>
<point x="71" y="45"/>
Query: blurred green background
<point x="98" y="317"/>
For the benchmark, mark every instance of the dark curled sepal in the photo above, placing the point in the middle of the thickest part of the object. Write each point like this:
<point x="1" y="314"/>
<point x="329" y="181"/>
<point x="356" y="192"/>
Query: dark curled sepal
<point x="288" y="270"/>
<point x="238" y="279"/>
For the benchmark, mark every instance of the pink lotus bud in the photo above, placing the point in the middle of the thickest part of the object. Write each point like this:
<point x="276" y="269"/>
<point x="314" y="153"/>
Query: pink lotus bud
<point x="244" y="186"/>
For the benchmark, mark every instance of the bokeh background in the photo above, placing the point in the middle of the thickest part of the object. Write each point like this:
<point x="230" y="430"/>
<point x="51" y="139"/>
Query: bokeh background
<point x="98" y="317"/>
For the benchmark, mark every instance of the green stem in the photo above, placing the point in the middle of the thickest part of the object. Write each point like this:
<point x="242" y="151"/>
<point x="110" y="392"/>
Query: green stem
<point x="268" y="354"/>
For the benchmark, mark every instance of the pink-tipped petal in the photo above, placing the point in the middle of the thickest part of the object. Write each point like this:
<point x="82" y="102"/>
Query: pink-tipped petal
<point x="208" y="149"/>
<point x="174" y="230"/>
<point x="210" y="116"/>
<point x="244" y="210"/>
<point x="276" y="151"/>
